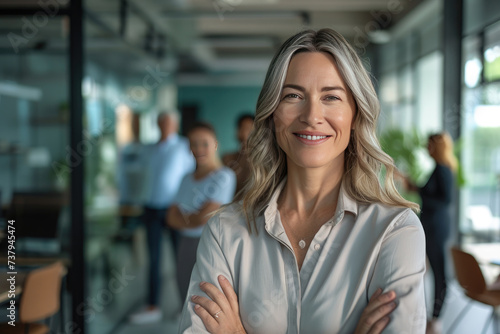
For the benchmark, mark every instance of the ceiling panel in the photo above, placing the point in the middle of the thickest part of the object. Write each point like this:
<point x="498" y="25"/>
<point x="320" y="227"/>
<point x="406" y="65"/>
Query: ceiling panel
<point x="211" y="35"/>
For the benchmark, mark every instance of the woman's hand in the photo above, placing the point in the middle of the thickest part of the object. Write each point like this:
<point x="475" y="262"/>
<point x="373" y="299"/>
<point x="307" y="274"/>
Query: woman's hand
<point x="220" y="313"/>
<point x="375" y="317"/>
<point x="406" y="182"/>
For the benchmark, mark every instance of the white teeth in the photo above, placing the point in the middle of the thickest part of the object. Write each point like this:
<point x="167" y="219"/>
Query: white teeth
<point x="312" y="137"/>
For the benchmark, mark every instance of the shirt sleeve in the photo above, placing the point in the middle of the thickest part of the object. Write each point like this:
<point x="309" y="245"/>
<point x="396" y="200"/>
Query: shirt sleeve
<point x="180" y="199"/>
<point x="210" y="263"/>
<point x="401" y="267"/>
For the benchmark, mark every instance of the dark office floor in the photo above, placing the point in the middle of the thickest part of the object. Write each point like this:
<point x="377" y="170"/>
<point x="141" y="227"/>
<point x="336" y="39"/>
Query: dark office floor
<point x="108" y="306"/>
<point x="164" y="327"/>
<point x="171" y="304"/>
<point x="472" y="322"/>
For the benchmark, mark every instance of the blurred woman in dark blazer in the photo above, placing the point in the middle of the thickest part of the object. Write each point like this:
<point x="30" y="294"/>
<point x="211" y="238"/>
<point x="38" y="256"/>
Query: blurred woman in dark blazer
<point x="435" y="215"/>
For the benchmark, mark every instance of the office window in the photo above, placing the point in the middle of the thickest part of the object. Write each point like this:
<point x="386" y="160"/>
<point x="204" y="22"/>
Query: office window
<point x="397" y="100"/>
<point x="388" y="101"/>
<point x="406" y="96"/>
<point x="480" y="154"/>
<point x="473" y="66"/>
<point x="492" y="53"/>
<point x="430" y="93"/>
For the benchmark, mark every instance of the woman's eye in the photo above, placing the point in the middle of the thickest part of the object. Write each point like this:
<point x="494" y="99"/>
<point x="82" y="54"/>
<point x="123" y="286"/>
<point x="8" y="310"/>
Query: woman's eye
<point x="332" y="98"/>
<point x="291" y="96"/>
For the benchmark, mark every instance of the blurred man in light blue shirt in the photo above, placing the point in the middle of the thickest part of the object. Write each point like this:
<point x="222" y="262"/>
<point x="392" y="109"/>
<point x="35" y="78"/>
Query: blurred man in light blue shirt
<point x="168" y="161"/>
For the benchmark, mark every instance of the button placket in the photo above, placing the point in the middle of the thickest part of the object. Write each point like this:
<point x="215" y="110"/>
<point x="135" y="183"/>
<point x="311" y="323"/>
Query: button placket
<point x="313" y="256"/>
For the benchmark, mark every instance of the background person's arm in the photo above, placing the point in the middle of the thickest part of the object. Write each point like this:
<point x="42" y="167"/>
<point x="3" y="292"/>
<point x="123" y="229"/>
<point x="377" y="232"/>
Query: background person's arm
<point x="201" y="216"/>
<point x="224" y="185"/>
<point x="175" y="218"/>
<point x="179" y="221"/>
<point x="401" y="267"/>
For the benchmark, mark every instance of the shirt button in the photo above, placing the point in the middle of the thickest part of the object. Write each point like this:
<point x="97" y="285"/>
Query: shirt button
<point x="317" y="247"/>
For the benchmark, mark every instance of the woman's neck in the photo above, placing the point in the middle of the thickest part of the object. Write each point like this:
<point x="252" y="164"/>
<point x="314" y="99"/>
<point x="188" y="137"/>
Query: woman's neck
<point x="311" y="190"/>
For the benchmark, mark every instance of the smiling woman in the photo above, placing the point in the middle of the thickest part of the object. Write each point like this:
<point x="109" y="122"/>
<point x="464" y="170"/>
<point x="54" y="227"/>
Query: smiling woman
<point x="317" y="238"/>
<point x="314" y="109"/>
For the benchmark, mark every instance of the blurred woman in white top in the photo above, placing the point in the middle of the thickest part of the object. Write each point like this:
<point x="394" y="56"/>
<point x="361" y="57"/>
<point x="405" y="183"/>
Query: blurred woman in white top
<point x="200" y="192"/>
<point x="321" y="230"/>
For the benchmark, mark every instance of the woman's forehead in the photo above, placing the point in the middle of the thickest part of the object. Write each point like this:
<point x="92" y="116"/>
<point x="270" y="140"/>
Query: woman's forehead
<point x="317" y="68"/>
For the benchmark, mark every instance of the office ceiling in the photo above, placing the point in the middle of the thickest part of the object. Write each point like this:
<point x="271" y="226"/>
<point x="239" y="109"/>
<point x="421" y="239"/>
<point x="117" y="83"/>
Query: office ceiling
<point x="200" y="37"/>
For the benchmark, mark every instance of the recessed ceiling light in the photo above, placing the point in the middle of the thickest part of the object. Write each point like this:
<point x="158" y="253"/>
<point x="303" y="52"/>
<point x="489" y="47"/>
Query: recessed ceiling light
<point x="379" y="36"/>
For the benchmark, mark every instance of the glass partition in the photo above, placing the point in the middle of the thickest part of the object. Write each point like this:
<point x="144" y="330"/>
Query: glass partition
<point x="34" y="146"/>
<point x="125" y="84"/>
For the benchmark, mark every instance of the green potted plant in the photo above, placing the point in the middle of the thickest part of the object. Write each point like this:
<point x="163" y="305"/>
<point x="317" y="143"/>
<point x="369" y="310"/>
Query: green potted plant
<point x="406" y="148"/>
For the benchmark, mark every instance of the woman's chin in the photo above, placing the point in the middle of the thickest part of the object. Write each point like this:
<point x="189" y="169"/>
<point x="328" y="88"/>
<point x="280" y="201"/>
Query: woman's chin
<point x="313" y="161"/>
<point x="202" y="161"/>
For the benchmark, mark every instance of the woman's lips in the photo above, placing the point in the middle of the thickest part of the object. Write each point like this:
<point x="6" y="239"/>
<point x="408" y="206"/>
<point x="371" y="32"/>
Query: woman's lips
<point x="311" y="139"/>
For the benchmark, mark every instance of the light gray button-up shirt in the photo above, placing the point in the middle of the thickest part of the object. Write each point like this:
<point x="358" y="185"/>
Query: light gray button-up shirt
<point x="361" y="248"/>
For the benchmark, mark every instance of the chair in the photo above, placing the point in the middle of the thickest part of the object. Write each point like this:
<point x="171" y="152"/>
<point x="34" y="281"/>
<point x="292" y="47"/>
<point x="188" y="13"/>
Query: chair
<point x="471" y="279"/>
<point x="39" y="300"/>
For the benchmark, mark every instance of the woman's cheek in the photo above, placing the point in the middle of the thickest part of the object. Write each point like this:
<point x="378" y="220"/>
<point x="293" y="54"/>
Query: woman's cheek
<point x="283" y="117"/>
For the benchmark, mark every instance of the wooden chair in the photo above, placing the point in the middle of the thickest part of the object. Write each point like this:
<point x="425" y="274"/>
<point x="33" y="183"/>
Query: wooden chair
<point x="39" y="300"/>
<point x="471" y="279"/>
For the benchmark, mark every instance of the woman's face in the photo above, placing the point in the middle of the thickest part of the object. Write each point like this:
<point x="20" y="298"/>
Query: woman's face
<point x="244" y="130"/>
<point x="203" y="145"/>
<point x="434" y="146"/>
<point x="314" y="118"/>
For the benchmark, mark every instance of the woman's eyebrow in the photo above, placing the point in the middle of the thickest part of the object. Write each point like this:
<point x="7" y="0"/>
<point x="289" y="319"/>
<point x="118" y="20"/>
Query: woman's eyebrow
<point x="297" y="87"/>
<point x="324" y="89"/>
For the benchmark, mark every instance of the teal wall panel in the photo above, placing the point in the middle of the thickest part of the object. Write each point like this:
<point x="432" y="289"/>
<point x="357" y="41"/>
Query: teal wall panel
<point x="221" y="106"/>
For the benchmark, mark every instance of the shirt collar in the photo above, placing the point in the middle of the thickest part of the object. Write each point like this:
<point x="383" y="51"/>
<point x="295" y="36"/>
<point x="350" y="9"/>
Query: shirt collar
<point x="169" y="141"/>
<point x="344" y="203"/>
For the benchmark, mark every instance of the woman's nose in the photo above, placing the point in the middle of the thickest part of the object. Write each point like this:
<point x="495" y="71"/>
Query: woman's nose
<point x="312" y="112"/>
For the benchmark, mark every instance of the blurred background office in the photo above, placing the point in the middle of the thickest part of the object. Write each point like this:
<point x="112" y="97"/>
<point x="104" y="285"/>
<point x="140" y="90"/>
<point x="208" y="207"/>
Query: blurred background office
<point x="82" y="83"/>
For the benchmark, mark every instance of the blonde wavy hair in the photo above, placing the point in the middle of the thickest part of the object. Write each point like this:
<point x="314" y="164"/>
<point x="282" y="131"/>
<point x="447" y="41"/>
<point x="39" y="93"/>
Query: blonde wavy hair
<point x="442" y="150"/>
<point x="365" y="162"/>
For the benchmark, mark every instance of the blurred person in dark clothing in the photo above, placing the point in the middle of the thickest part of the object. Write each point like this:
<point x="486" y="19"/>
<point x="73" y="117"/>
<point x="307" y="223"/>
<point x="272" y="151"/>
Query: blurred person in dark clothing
<point x="238" y="161"/>
<point x="168" y="162"/>
<point x="435" y="216"/>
